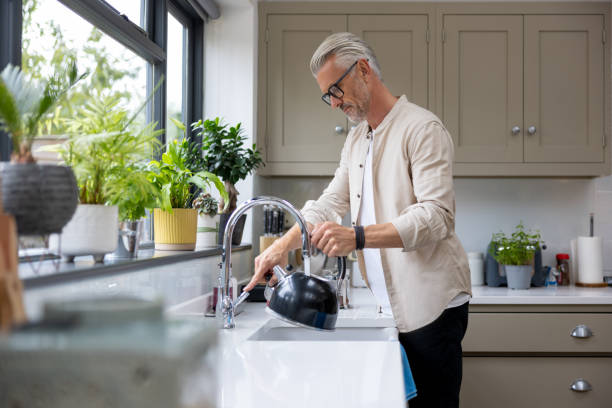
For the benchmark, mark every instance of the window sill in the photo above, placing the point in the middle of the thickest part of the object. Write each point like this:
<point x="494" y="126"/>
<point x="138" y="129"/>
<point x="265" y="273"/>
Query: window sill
<point x="85" y="268"/>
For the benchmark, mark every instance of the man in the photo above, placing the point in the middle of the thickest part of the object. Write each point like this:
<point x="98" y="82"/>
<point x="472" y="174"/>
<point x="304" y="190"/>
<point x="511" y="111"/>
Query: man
<point x="395" y="177"/>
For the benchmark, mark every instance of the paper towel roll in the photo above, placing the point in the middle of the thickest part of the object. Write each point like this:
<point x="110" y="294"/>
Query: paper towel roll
<point x="590" y="260"/>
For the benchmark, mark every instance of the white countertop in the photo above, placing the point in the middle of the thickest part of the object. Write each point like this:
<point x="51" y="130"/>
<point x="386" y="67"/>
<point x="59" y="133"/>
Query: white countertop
<point x="275" y="374"/>
<point x="562" y="295"/>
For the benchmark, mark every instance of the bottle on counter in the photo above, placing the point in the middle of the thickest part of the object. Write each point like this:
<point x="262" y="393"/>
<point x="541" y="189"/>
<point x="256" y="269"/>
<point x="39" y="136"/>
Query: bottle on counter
<point x="563" y="265"/>
<point x="476" y="263"/>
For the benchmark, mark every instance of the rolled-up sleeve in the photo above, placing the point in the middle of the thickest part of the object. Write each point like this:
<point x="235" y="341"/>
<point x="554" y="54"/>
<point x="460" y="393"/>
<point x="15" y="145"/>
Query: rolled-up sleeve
<point x="334" y="203"/>
<point x="432" y="217"/>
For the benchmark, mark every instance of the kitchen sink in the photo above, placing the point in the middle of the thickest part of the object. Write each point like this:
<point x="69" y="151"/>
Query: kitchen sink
<point x="275" y="330"/>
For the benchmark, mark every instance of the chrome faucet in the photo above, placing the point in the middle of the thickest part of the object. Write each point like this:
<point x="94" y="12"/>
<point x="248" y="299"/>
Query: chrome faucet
<point x="226" y="305"/>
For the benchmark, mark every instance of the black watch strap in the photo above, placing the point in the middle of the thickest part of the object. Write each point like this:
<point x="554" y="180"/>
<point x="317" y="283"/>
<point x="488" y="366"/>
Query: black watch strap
<point x="359" y="237"/>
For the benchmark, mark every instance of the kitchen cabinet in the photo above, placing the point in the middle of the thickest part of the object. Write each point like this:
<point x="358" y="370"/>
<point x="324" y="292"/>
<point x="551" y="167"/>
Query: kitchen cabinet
<point x="300" y="127"/>
<point x="304" y="136"/>
<point x="532" y="355"/>
<point x="482" y="91"/>
<point x="522" y="87"/>
<point x="564" y="89"/>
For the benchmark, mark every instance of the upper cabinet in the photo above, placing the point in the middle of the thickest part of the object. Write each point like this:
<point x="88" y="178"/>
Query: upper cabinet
<point x="482" y="88"/>
<point x="301" y="128"/>
<point x="401" y="45"/>
<point x="564" y="89"/>
<point x="523" y="88"/>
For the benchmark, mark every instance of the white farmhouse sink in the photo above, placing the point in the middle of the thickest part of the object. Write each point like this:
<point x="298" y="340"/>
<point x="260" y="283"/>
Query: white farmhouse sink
<point x="275" y="330"/>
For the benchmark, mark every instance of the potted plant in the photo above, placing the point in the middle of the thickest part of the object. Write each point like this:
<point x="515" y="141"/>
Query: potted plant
<point x="104" y="148"/>
<point x="42" y="198"/>
<point x="208" y="220"/>
<point x="226" y="156"/>
<point x="175" y="222"/>
<point x="515" y="253"/>
<point x="133" y="196"/>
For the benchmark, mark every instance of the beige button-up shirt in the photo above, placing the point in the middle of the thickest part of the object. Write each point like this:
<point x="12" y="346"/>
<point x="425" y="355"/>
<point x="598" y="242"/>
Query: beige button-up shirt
<point x="413" y="189"/>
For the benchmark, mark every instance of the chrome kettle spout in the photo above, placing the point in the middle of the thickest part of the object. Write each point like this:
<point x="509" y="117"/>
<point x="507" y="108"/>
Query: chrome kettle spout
<point x="227" y="306"/>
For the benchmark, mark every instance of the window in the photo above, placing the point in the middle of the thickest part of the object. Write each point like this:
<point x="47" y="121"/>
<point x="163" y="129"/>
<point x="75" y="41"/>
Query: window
<point x="129" y="45"/>
<point x="115" y="72"/>
<point x="176" y="76"/>
<point x="131" y="9"/>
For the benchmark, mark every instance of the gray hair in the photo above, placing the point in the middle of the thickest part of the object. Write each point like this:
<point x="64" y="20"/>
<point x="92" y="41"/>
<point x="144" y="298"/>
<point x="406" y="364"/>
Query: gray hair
<point x="347" y="48"/>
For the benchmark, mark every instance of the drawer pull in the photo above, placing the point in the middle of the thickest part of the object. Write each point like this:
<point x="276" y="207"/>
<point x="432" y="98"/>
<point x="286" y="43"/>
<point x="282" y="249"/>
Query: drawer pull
<point x="581" y="385"/>
<point x="581" y="332"/>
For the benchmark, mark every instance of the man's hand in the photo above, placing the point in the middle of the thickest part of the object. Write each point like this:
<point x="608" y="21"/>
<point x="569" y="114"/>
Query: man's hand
<point x="275" y="254"/>
<point x="333" y="239"/>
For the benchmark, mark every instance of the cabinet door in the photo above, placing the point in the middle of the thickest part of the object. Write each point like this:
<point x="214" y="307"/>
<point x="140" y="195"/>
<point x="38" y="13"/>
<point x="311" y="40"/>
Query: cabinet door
<point x="300" y="126"/>
<point x="510" y="382"/>
<point x="482" y="88"/>
<point x="400" y="45"/>
<point x="564" y="88"/>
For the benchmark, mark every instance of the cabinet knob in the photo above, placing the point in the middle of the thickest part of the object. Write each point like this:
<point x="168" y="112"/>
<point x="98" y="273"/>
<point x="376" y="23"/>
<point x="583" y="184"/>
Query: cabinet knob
<point x="531" y="130"/>
<point x="516" y="130"/>
<point x="339" y="130"/>
<point x="581" y="332"/>
<point x="581" y="385"/>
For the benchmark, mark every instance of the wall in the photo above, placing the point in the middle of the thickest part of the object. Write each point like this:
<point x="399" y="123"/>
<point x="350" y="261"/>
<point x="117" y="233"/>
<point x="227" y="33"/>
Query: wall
<point x="230" y="72"/>
<point x="559" y="208"/>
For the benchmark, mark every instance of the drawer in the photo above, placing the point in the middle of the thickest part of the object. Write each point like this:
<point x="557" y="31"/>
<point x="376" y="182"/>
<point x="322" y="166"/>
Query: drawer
<point x="510" y="382"/>
<point x="537" y="333"/>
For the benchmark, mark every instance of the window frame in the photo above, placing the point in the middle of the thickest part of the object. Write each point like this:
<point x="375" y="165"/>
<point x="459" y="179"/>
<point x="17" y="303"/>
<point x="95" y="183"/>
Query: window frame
<point x="149" y="42"/>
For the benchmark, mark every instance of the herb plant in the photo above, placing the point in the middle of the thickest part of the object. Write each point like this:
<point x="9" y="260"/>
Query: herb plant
<point x="516" y="249"/>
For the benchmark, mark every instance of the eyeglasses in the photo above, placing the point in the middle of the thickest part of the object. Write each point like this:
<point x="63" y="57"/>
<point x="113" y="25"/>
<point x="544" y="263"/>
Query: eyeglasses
<point x="334" y="90"/>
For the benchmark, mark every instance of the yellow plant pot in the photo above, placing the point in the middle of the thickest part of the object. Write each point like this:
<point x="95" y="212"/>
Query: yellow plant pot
<point x="175" y="231"/>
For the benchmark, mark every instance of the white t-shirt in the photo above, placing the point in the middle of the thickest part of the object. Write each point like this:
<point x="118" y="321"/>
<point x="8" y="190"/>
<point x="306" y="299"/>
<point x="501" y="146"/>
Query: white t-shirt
<point x="371" y="256"/>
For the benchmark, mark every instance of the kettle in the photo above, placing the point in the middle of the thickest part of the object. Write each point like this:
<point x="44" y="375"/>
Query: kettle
<point x="306" y="300"/>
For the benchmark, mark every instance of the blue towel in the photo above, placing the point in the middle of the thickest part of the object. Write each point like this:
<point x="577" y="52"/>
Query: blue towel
<point x="409" y="386"/>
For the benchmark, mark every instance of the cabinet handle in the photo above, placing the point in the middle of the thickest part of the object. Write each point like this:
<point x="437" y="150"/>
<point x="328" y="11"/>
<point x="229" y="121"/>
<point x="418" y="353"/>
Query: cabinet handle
<point x="531" y="130"/>
<point x="339" y="130"/>
<point x="581" y="332"/>
<point x="516" y="130"/>
<point x="581" y="385"/>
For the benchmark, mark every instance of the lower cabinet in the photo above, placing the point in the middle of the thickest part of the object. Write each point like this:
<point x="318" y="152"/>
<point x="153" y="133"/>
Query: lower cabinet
<point x="511" y="382"/>
<point x="540" y="356"/>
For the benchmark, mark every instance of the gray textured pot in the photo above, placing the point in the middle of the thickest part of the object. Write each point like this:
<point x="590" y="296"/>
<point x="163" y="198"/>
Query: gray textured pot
<point x="519" y="276"/>
<point x="41" y="197"/>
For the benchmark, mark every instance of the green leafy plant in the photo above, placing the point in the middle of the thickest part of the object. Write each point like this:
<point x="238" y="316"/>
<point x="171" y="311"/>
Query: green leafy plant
<point x="226" y="156"/>
<point x="175" y="181"/>
<point x="206" y="204"/>
<point x="516" y="249"/>
<point x="25" y="102"/>
<point x="107" y="152"/>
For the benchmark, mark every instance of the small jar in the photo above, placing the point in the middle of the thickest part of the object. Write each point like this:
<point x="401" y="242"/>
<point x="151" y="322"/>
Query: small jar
<point x="563" y="265"/>
<point x="476" y="263"/>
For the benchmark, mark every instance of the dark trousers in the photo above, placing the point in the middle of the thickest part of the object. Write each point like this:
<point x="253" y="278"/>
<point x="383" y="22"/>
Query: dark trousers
<point x="434" y="354"/>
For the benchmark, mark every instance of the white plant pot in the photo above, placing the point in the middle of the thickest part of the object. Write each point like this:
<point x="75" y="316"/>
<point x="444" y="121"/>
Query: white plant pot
<point x="91" y="231"/>
<point x="208" y="228"/>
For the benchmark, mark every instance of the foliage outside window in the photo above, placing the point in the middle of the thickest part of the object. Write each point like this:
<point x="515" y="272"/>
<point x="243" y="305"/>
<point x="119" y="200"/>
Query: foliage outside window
<point x="53" y="37"/>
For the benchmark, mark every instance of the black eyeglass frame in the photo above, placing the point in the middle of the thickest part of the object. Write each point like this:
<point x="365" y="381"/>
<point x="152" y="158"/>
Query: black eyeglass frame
<point x="326" y="97"/>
